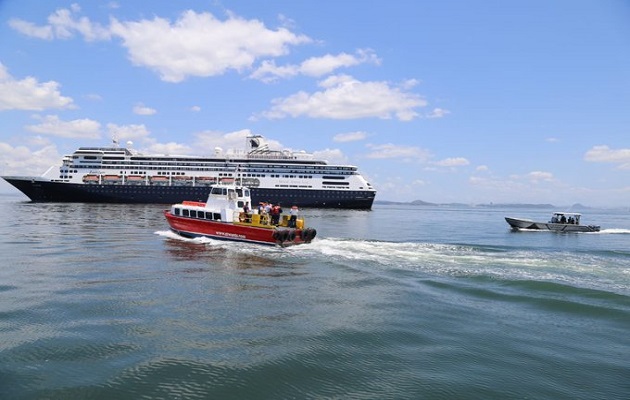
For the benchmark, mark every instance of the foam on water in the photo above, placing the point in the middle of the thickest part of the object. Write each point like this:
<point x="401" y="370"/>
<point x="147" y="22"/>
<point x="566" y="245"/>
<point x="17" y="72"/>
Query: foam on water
<point x="613" y="231"/>
<point x="580" y="270"/>
<point x="458" y="260"/>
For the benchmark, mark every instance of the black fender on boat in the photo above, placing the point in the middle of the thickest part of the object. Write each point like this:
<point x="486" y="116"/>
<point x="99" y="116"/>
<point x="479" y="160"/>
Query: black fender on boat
<point x="308" y="234"/>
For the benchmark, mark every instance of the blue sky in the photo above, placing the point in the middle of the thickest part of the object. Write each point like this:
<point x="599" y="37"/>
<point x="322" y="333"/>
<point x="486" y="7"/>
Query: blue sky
<point x="442" y="101"/>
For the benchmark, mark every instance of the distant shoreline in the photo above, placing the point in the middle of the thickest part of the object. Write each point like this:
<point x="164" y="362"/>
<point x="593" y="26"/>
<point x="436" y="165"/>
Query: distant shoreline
<point x="574" y="207"/>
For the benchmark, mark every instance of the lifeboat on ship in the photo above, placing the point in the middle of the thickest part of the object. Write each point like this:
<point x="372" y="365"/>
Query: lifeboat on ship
<point x="222" y="217"/>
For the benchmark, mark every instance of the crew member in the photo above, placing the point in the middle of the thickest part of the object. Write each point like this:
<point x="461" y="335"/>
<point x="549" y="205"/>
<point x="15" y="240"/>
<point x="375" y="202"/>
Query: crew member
<point x="276" y="210"/>
<point x="294" y="214"/>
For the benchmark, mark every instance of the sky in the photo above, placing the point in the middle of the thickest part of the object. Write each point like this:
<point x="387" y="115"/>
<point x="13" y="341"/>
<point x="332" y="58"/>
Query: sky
<point x="442" y="101"/>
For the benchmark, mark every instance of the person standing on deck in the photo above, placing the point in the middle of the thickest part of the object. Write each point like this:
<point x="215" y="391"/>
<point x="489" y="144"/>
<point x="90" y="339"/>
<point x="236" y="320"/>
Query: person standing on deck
<point x="294" y="214"/>
<point x="276" y="210"/>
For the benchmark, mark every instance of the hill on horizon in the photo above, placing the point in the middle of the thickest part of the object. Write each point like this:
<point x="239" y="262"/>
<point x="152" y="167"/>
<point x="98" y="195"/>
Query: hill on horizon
<point x="574" y="207"/>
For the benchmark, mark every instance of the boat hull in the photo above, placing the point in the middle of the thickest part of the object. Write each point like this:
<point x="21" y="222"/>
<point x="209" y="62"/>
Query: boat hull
<point x="41" y="190"/>
<point x="192" y="228"/>
<point x="518" y="223"/>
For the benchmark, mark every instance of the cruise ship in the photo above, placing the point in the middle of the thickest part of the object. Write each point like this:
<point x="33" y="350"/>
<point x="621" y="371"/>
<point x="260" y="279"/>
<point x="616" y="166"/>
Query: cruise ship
<point x="122" y="175"/>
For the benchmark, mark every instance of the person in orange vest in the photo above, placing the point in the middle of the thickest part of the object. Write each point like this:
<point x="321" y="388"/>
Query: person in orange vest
<point x="276" y="210"/>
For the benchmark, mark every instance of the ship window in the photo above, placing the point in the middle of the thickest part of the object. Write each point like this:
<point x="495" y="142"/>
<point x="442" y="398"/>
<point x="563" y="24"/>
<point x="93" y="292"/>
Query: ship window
<point x="216" y="216"/>
<point x="178" y="211"/>
<point x="186" y="213"/>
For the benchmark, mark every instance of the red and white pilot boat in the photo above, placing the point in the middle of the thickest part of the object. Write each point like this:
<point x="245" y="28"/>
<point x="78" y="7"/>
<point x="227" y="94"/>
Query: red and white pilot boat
<point x="222" y="217"/>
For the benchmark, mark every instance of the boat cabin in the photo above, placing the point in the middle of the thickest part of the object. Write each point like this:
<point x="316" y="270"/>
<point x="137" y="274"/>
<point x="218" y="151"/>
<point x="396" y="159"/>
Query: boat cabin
<point x="565" y="218"/>
<point x="224" y="202"/>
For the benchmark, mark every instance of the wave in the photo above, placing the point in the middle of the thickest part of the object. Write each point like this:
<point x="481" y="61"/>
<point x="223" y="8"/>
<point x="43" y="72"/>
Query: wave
<point x="607" y="271"/>
<point x="614" y="231"/>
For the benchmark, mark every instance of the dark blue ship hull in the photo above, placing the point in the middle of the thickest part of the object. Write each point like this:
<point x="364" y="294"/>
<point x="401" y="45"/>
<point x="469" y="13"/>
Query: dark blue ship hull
<point x="45" y="191"/>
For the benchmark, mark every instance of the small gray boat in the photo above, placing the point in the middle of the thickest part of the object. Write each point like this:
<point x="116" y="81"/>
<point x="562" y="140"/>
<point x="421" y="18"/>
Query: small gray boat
<point x="560" y="222"/>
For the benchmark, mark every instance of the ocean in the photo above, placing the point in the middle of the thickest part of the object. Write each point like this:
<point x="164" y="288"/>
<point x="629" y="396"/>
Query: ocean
<point x="101" y="301"/>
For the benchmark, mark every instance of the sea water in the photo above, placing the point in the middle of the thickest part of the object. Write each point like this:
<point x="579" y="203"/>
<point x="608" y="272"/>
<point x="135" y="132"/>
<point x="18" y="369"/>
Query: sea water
<point x="102" y="301"/>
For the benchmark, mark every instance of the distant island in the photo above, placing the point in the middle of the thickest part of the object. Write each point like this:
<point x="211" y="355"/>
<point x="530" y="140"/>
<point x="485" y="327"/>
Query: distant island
<point x="573" y="207"/>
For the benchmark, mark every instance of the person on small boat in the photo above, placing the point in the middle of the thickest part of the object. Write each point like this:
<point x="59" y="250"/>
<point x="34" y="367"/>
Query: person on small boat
<point x="294" y="214"/>
<point x="276" y="210"/>
<point x="245" y="216"/>
<point x="264" y="215"/>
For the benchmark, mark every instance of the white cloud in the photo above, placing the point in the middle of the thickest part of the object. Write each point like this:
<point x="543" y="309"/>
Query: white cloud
<point x="195" y="108"/>
<point x="314" y="66"/>
<point x="344" y="97"/>
<point x="538" y="176"/>
<point x="198" y="44"/>
<point x="171" y="148"/>
<point x="32" y="30"/>
<point x="78" y="128"/>
<point x="93" y="97"/>
<point x="29" y="94"/>
<point x="62" y="24"/>
<point x="349" y="136"/>
<point x="319" y="66"/>
<point x="438" y="113"/>
<point x="231" y="142"/>
<point x="605" y="154"/>
<point x="141" y="109"/>
<point x="127" y="132"/>
<point x="418" y="182"/>
<point x="270" y="72"/>
<point x="406" y="153"/>
<point x="452" y="162"/>
<point x="20" y="160"/>
<point x="334" y="156"/>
